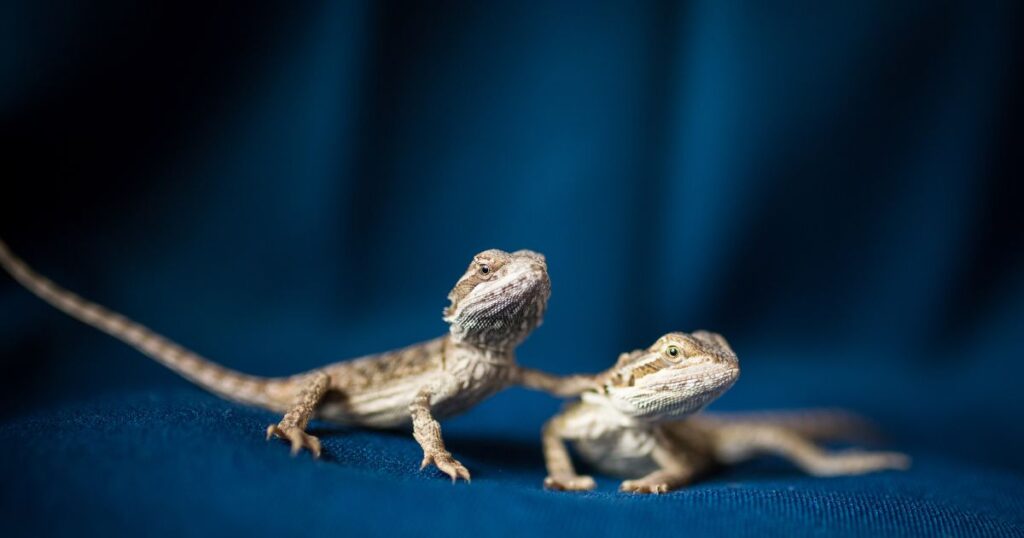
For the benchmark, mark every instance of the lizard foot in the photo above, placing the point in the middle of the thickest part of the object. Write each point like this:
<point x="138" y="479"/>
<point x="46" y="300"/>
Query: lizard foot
<point x="644" y="486"/>
<point x="446" y="463"/>
<point x="569" y="483"/>
<point x="298" y="438"/>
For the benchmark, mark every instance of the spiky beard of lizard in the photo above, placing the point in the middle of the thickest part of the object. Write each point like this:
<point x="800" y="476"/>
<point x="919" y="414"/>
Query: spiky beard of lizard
<point x="497" y="309"/>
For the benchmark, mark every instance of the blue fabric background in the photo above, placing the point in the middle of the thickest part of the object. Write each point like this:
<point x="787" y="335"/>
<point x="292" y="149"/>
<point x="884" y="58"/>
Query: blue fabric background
<point x="836" y="188"/>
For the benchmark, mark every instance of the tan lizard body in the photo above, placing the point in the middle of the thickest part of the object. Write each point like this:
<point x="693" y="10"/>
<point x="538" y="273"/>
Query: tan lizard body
<point x="639" y="420"/>
<point x="496" y="304"/>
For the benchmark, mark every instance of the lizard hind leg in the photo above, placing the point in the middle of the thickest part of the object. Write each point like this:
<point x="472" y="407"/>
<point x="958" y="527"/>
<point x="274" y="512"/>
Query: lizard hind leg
<point x="293" y="425"/>
<point x="735" y="443"/>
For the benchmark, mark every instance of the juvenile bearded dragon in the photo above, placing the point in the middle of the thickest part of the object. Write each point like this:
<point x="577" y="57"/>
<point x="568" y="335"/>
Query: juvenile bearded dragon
<point x="496" y="304"/>
<point x="637" y="420"/>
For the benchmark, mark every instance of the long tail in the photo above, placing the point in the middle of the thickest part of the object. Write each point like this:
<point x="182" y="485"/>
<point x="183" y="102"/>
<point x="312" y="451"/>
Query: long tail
<point x="821" y="425"/>
<point x="269" y="393"/>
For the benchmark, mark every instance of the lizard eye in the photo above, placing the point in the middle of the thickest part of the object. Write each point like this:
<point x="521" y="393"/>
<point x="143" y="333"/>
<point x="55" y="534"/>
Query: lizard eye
<point x="485" y="269"/>
<point x="673" y="352"/>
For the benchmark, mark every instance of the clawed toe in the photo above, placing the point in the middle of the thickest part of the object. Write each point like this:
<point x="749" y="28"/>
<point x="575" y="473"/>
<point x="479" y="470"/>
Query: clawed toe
<point x="569" y="483"/>
<point x="298" y="439"/>
<point x="446" y="464"/>
<point x="641" y="486"/>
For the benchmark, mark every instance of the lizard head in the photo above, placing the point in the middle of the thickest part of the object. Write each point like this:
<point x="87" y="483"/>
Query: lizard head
<point x="500" y="299"/>
<point x="677" y="376"/>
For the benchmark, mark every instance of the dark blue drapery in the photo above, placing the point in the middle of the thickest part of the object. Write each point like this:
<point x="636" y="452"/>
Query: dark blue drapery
<point x="835" y="188"/>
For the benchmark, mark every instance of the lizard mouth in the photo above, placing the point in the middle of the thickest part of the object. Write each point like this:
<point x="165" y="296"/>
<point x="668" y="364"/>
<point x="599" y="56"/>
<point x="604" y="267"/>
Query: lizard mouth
<point x="676" y="397"/>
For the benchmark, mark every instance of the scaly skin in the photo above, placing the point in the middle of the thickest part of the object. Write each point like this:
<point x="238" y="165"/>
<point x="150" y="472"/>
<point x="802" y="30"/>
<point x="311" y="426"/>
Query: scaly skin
<point x="496" y="304"/>
<point x="639" y="420"/>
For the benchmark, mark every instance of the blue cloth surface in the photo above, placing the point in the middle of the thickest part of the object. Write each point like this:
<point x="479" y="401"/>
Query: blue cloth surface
<point x="836" y="188"/>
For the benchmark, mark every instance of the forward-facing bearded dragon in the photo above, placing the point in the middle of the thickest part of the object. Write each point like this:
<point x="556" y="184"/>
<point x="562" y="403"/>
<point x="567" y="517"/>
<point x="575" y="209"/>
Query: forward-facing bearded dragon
<point x="638" y="420"/>
<point x="496" y="304"/>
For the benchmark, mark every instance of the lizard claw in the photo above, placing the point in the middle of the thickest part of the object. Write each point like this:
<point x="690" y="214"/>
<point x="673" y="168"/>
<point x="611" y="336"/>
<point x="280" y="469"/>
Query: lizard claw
<point x="444" y="461"/>
<point x="569" y="483"/>
<point x="643" y="486"/>
<point x="298" y="438"/>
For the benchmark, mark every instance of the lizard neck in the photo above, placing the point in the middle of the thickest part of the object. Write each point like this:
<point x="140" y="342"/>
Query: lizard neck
<point x="612" y="414"/>
<point x="486" y="344"/>
<point x="496" y="354"/>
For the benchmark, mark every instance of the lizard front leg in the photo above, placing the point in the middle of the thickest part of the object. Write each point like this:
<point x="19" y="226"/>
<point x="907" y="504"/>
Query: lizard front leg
<point x="561" y="386"/>
<point x="676" y="469"/>
<point x="561" y="474"/>
<point x="292" y="426"/>
<point x="660" y="481"/>
<point x="427" y="432"/>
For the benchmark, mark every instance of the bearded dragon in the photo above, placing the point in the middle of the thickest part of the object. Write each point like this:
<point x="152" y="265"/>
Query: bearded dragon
<point x="494" y="306"/>
<point x="639" y="420"/>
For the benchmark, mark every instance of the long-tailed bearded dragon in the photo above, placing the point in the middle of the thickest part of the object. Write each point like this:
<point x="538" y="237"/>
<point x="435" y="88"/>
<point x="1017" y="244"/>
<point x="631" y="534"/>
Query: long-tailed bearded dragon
<point x="493" y="307"/>
<point x="638" y="420"/>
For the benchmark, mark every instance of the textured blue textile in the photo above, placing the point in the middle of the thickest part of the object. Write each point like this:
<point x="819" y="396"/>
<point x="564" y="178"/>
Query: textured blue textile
<point x="836" y="188"/>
